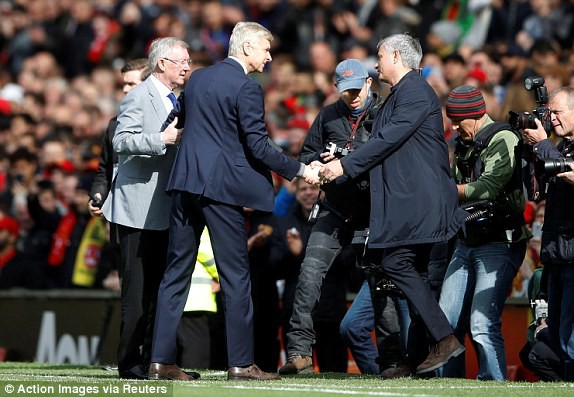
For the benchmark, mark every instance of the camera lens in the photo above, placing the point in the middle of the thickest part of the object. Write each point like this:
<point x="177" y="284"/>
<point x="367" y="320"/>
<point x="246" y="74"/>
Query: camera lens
<point x="552" y="167"/>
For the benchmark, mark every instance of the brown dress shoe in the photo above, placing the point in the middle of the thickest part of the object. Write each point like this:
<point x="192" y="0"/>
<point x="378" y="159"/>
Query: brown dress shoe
<point x="297" y="365"/>
<point x="253" y="372"/>
<point x="159" y="371"/>
<point x="440" y="353"/>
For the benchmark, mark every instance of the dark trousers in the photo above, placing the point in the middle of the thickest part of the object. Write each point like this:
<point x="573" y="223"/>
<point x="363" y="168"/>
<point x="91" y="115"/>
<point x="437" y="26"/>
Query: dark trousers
<point x="141" y="269"/>
<point x="407" y="267"/>
<point x="387" y="325"/>
<point x="194" y="340"/>
<point x="542" y="360"/>
<point x="190" y="213"/>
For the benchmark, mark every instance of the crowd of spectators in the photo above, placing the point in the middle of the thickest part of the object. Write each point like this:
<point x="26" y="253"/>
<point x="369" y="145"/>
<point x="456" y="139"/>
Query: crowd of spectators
<point x="60" y="84"/>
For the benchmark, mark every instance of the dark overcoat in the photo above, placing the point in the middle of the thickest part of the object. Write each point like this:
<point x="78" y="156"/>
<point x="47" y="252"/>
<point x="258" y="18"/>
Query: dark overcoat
<point x="413" y="195"/>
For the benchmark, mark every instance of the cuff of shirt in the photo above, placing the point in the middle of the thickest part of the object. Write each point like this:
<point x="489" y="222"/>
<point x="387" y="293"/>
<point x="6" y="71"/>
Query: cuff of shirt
<point x="301" y="171"/>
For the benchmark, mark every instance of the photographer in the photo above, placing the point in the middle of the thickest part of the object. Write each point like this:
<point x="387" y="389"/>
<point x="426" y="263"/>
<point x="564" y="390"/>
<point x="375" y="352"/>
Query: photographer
<point x="337" y="129"/>
<point x="538" y="354"/>
<point x="557" y="246"/>
<point x="492" y="243"/>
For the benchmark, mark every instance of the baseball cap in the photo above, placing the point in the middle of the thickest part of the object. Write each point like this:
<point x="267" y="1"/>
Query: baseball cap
<point x="350" y="74"/>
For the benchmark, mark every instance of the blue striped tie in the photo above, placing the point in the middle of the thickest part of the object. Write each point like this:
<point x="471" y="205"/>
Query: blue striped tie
<point x="172" y="98"/>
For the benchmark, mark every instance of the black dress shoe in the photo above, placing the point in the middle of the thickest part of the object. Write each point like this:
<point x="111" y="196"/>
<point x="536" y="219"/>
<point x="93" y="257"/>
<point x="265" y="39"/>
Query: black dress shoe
<point x="159" y="371"/>
<point x="253" y="372"/>
<point x="194" y="375"/>
<point x="135" y="372"/>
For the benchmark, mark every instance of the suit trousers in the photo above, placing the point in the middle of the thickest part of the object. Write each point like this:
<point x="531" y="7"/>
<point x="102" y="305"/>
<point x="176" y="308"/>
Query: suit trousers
<point x="407" y="267"/>
<point x="141" y="269"/>
<point x="190" y="213"/>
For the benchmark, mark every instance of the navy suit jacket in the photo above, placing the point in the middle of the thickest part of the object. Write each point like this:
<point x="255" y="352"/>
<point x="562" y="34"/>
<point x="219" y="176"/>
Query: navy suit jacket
<point x="224" y="153"/>
<point x="413" y="195"/>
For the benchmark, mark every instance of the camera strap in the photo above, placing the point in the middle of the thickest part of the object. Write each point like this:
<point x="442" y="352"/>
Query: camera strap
<point x="472" y="166"/>
<point x="354" y="127"/>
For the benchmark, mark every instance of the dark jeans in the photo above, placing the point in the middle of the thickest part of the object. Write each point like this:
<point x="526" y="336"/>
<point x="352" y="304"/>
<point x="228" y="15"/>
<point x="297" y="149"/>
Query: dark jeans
<point x="328" y="236"/>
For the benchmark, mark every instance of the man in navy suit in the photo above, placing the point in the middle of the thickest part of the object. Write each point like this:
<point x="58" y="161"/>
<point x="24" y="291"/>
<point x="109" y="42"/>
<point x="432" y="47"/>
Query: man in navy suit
<point x="223" y="165"/>
<point x="413" y="197"/>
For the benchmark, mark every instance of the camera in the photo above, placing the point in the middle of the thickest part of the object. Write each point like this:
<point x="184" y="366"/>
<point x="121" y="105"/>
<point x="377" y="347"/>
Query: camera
<point x="540" y="310"/>
<point x="96" y="202"/>
<point x="387" y="287"/>
<point x="523" y="120"/>
<point x="551" y="167"/>
<point x="336" y="151"/>
<point x="314" y="214"/>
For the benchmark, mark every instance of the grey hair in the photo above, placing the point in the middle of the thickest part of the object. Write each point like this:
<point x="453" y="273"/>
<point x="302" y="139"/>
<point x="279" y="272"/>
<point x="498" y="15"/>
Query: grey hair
<point x="162" y="48"/>
<point x="569" y="92"/>
<point x="408" y="46"/>
<point x="244" y="32"/>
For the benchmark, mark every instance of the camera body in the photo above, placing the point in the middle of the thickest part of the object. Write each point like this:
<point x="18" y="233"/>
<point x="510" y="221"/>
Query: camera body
<point x="523" y="120"/>
<point x="337" y="151"/>
<point x="386" y="287"/>
<point x="314" y="214"/>
<point x="551" y="167"/>
<point x="540" y="310"/>
<point x="96" y="202"/>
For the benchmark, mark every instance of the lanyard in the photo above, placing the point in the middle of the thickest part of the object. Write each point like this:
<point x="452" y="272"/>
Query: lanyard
<point x="354" y="127"/>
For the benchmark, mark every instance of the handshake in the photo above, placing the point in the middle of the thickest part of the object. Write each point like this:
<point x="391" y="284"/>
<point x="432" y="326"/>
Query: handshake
<point x="318" y="173"/>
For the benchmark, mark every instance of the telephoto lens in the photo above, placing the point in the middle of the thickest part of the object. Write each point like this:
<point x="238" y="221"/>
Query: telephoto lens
<point x="551" y="167"/>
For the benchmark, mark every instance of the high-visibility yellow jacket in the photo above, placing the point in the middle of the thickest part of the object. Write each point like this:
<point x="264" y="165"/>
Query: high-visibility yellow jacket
<point x="201" y="297"/>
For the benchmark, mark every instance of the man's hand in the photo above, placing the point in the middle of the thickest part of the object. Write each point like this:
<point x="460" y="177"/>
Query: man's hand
<point x="532" y="136"/>
<point x="259" y="239"/>
<point x="330" y="171"/>
<point x="294" y="242"/>
<point x="95" y="210"/>
<point x="327" y="156"/>
<point x="171" y="135"/>
<point x="568" y="176"/>
<point x="311" y="173"/>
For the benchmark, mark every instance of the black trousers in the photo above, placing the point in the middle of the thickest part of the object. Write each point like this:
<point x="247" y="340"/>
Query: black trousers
<point x="407" y="267"/>
<point x="194" y="340"/>
<point x="543" y="361"/>
<point x="143" y="262"/>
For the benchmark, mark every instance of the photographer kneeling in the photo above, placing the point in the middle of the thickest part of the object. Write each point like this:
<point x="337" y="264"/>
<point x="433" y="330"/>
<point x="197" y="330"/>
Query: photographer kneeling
<point x="492" y="243"/>
<point x="557" y="247"/>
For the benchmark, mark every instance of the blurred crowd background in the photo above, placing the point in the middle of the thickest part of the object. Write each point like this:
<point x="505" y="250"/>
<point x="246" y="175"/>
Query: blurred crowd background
<point x="60" y="84"/>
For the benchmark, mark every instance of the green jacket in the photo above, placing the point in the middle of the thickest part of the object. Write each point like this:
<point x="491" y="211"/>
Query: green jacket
<point x="499" y="159"/>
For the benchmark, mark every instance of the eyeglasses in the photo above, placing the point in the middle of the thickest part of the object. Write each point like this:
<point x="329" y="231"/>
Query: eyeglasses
<point x="181" y="62"/>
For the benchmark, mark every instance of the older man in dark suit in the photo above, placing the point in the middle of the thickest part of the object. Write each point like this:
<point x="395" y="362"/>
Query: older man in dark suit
<point x="413" y="197"/>
<point x="222" y="166"/>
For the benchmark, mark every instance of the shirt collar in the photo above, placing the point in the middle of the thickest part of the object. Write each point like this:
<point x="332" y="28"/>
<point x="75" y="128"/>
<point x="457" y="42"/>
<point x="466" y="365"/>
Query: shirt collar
<point x="161" y="87"/>
<point x="240" y="62"/>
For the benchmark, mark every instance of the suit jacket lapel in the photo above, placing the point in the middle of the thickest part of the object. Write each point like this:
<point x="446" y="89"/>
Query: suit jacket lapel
<point x="156" y="100"/>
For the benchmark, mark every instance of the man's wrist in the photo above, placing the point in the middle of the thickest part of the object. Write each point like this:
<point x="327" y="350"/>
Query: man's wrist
<point x="301" y="171"/>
